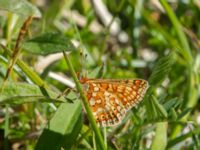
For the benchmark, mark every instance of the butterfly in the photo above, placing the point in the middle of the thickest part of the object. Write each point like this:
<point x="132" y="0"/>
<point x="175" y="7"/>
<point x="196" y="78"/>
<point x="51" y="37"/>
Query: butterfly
<point x="110" y="99"/>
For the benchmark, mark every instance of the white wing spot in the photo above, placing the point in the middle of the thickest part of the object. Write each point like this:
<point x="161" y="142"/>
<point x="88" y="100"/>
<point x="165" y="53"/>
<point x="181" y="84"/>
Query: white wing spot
<point x="94" y="94"/>
<point x="106" y="94"/>
<point x="107" y="99"/>
<point x="118" y="108"/>
<point x="99" y="110"/>
<point x="96" y="89"/>
<point x="98" y="101"/>
<point x="92" y="102"/>
<point x="103" y="123"/>
<point x="140" y="90"/>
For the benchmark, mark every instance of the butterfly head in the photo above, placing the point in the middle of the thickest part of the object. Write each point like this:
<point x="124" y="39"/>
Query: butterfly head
<point x="82" y="79"/>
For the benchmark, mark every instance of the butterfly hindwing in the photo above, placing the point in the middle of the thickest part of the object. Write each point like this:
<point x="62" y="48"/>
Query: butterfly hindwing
<point x="106" y="107"/>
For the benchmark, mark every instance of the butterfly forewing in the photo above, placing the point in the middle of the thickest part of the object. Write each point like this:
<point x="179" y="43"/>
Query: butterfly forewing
<point x="109" y="99"/>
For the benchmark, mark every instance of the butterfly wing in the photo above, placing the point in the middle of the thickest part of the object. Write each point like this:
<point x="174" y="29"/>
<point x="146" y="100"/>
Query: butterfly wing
<point x="106" y="107"/>
<point x="110" y="99"/>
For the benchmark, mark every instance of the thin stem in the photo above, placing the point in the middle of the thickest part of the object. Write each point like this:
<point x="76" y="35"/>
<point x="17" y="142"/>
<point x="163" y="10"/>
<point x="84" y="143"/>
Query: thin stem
<point x="105" y="135"/>
<point x="85" y="103"/>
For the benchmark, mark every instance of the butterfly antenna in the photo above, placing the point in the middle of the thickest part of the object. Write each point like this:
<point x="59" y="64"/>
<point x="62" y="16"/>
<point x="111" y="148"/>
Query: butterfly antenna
<point x="85" y="70"/>
<point x="81" y="61"/>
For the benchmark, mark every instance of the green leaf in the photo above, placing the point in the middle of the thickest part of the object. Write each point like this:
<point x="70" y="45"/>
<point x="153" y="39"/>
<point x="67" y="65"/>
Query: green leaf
<point x="48" y="43"/>
<point x="19" y="93"/>
<point x="151" y="108"/>
<point x="160" y="140"/>
<point x="21" y="7"/>
<point x="184" y="113"/>
<point x="63" y="128"/>
<point x="173" y="114"/>
<point x="172" y="103"/>
<point x="161" y="70"/>
<point x="159" y="108"/>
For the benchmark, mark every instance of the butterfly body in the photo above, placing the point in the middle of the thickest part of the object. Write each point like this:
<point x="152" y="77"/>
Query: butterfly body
<point x="110" y="99"/>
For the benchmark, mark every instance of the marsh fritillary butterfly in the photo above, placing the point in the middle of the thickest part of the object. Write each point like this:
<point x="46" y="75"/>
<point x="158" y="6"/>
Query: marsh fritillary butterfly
<point x="110" y="99"/>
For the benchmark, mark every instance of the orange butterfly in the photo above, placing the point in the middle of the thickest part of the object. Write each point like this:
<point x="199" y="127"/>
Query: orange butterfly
<point x="110" y="99"/>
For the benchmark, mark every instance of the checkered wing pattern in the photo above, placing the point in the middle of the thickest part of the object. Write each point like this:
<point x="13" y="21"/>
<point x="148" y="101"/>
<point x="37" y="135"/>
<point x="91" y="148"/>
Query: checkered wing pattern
<point x="110" y="99"/>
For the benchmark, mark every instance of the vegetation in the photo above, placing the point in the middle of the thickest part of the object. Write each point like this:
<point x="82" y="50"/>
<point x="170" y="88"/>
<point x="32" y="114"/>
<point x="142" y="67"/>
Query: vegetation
<point x="44" y="44"/>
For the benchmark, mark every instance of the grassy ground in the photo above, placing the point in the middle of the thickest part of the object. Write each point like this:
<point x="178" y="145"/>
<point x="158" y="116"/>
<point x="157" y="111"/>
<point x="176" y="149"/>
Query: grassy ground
<point x="40" y="107"/>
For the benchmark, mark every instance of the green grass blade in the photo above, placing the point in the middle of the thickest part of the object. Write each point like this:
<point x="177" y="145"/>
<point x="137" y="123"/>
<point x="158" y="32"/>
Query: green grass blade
<point x="186" y="51"/>
<point x="181" y="138"/>
<point x="27" y="70"/>
<point x="6" y="128"/>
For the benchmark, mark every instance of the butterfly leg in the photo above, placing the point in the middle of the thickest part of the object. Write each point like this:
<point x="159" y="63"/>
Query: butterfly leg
<point x="66" y="91"/>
